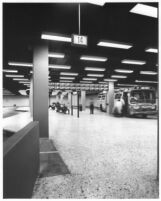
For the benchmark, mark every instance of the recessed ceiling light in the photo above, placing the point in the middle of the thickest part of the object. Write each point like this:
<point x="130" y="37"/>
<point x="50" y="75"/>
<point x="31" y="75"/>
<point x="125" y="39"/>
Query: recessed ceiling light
<point x="93" y="58"/>
<point x="67" y="78"/>
<point x="14" y="75"/>
<point x="110" y="80"/>
<point x="92" y="79"/>
<point x="22" y="79"/>
<point x="114" y="44"/>
<point x="66" y="73"/>
<point x="10" y="71"/>
<point x="94" y="69"/>
<point x="152" y="50"/>
<point x="55" y="37"/>
<point x="148" y="72"/>
<point x="95" y="75"/>
<point x="137" y="62"/>
<point x="59" y="67"/>
<point x="20" y="64"/>
<point x="118" y="76"/>
<point x="123" y="71"/>
<point x="56" y="55"/>
<point x="146" y="81"/>
<point x="145" y="10"/>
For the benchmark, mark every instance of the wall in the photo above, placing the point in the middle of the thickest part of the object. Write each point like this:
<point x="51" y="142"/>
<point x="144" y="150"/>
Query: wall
<point x="9" y="101"/>
<point x="21" y="162"/>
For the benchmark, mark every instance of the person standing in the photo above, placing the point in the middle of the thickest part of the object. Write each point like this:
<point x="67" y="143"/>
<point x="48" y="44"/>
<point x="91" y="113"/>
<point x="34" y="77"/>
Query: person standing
<point x="91" y="108"/>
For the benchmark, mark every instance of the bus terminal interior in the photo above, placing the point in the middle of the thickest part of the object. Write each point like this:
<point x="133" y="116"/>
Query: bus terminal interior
<point x="80" y="100"/>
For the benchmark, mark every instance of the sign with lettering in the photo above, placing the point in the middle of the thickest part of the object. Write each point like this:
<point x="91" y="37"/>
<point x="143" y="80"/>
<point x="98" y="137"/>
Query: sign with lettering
<point x="79" y="40"/>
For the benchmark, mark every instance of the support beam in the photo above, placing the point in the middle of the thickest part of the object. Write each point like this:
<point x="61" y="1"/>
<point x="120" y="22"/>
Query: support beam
<point x="111" y="97"/>
<point x="83" y="100"/>
<point x="77" y="104"/>
<point x="31" y="97"/>
<point x="40" y="88"/>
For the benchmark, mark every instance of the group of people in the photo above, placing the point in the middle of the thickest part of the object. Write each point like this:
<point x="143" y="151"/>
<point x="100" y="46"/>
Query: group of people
<point x="60" y="108"/>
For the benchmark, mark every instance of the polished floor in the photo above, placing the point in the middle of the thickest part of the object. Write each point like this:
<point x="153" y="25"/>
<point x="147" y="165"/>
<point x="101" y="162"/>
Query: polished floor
<point x="107" y="157"/>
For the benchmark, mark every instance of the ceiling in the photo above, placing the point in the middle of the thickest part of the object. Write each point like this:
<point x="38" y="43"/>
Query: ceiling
<point x="23" y="24"/>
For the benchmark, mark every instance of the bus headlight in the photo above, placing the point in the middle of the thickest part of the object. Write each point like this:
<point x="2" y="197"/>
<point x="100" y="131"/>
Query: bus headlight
<point x="153" y="107"/>
<point x="136" y="107"/>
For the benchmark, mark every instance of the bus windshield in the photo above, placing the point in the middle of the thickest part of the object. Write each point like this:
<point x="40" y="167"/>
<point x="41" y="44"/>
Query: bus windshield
<point x="142" y="96"/>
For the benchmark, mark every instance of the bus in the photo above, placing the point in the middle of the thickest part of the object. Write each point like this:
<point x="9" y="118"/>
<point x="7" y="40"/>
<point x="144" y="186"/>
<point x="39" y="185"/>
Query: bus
<point x="135" y="101"/>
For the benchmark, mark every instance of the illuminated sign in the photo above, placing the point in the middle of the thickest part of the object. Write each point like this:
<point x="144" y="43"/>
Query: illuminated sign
<point x="79" y="40"/>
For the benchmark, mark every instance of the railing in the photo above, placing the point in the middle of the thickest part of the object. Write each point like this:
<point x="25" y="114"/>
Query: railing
<point x="21" y="162"/>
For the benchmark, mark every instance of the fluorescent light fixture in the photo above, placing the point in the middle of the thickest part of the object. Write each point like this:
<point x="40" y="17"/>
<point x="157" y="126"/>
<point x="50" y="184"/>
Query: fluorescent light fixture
<point x="22" y="79"/>
<point x="110" y="80"/>
<point x="98" y="3"/>
<point x="95" y="75"/>
<point x="148" y="72"/>
<point x="56" y="55"/>
<point x="67" y="78"/>
<point x="86" y="82"/>
<point x="59" y="67"/>
<point x="137" y="62"/>
<point x="66" y="73"/>
<point x="55" y="37"/>
<point x="20" y="64"/>
<point x="102" y="82"/>
<point x="90" y="79"/>
<point x="94" y="69"/>
<point x="10" y="71"/>
<point x="129" y="85"/>
<point x="93" y="58"/>
<point x="123" y="71"/>
<point x="114" y="44"/>
<point x="26" y="82"/>
<point x="118" y="76"/>
<point x="146" y="10"/>
<point x="145" y="81"/>
<point x="152" y="50"/>
<point x="66" y="81"/>
<point x="14" y="75"/>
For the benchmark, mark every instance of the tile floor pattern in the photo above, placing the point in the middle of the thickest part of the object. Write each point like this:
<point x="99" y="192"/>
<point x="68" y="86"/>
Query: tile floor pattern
<point x="108" y="157"/>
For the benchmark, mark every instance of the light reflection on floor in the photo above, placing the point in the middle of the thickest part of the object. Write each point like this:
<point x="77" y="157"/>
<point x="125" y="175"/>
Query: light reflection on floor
<point x="108" y="157"/>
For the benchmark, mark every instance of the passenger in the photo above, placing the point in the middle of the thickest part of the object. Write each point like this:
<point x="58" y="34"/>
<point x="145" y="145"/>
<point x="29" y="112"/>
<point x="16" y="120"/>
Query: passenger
<point x="91" y="108"/>
<point x="101" y="107"/>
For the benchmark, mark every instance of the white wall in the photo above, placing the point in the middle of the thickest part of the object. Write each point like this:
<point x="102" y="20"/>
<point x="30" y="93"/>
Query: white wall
<point x="20" y="101"/>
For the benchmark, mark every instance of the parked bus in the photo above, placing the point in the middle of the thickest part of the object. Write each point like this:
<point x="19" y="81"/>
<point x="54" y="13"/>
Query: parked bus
<point x="135" y="101"/>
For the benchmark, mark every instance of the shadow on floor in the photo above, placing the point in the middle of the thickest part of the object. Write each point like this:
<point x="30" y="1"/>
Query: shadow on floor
<point x="51" y="163"/>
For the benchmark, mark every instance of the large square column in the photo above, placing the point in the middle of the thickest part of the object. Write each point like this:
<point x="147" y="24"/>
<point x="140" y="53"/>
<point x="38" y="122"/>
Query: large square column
<point x="40" y="88"/>
<point x="83" y="99"/>
<point x="111" y="97"/>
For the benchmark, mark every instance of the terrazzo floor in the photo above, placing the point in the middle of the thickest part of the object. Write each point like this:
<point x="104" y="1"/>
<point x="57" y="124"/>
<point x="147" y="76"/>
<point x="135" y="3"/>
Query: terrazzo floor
<point x="107" y="157"/>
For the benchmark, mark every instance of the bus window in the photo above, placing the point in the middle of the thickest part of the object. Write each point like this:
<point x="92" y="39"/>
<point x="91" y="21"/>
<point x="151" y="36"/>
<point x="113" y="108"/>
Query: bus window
<point x="136" y="96"/>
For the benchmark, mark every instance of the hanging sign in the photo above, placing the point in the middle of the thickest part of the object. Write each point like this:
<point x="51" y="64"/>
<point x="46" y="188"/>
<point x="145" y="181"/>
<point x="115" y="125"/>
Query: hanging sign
<point x="79" y="40"/>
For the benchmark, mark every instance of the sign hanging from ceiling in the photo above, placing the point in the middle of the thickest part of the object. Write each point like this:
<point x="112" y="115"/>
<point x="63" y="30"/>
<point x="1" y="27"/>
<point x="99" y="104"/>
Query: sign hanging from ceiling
<point x="79" y="40"/>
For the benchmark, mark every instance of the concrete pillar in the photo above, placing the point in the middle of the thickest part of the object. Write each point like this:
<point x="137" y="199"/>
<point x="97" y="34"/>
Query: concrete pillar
<point x="69" y="98"/>
<point x="40" y="88"/>
<point x="83" y="99"/>
<point x="111" y="96"/>
<point x="31" y="97"/>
